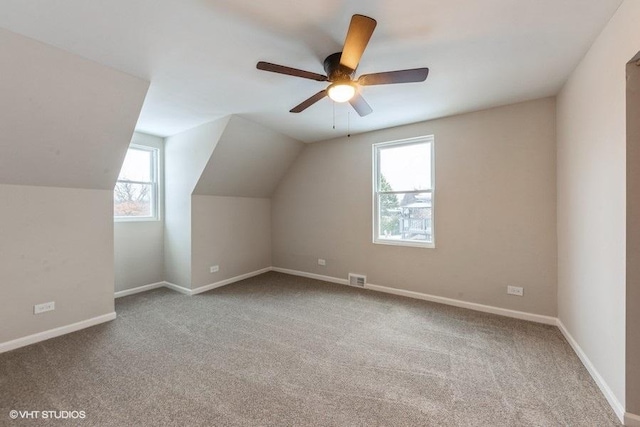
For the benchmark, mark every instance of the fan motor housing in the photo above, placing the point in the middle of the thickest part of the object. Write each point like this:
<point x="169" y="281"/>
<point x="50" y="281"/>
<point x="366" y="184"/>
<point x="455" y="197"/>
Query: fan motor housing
<point x="335" y="71"/>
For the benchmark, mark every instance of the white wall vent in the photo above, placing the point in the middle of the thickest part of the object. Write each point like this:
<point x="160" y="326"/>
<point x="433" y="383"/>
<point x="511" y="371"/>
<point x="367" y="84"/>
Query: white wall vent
<point x="357" y="280"/>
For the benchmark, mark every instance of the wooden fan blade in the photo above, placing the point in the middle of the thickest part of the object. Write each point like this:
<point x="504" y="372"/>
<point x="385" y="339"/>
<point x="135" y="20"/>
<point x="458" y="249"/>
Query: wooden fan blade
<point x="281" y="69"/>
<point x="360" y="31"/>
<point x="309" y="102"/>
<point x="360" y="105"/>
<point x="391" y="77"/>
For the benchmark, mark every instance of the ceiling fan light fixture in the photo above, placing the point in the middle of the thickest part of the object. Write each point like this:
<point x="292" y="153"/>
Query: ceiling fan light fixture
<point x="340" y="67"/>
<point x="341" y="92"/>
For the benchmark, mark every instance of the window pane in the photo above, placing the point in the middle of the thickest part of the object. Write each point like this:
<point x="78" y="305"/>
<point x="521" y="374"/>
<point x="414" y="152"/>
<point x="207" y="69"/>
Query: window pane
<point x="137" y="166"/>
<point x="405" y="216"/>
<point x="405" y="167"/>
<point x="132" y="200"/>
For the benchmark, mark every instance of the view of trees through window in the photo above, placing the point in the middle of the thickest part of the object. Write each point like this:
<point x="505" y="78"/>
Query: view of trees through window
<point x="404" y="192"/>
<point x="135" y="191"/>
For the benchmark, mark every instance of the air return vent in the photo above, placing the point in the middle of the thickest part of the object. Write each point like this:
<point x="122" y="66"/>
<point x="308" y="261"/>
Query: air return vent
<point x="357" y="280"/>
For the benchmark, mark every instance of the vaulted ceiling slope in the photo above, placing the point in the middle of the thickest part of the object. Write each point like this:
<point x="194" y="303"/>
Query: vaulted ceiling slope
<point x="200" y="55"/>
<point x="66" y="121"/>
<point x="249" y="160"/>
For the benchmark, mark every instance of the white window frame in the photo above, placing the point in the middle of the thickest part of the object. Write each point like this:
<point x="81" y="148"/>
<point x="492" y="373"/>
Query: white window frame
<point x="155" y="192"/>
<point x="376" y="193"/>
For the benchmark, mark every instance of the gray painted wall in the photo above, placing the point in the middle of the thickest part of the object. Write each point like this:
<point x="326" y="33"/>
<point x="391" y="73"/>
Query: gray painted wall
<point x="65" y="122"/>
<point x="234" y="232"/>
<point x="592" y="198"/>
<point x="495" y="210"/>
<point x="56" y="244"/>
<point x="139" y="245"/>
<point x="243" y="162"/>
<point x="186" y="155"/>
<point x="231" y="232"/>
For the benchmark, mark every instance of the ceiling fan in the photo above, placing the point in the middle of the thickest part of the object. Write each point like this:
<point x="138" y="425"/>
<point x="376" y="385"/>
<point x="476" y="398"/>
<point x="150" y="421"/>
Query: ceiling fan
<point x="341" y="66"/>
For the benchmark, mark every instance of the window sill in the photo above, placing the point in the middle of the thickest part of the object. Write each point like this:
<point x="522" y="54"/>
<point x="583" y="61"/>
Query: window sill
<point x="405" y="243"/>
<point x="133" y="219"/>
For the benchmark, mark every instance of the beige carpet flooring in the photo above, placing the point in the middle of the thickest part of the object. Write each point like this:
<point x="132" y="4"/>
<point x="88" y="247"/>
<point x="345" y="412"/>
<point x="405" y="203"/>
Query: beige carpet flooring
<point x="278" y="350"/>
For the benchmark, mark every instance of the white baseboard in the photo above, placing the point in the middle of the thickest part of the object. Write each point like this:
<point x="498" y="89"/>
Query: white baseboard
<point x="618" y="408"/>
<point x="631" y="420"/>
<point x="548" y="320"/>
<point x="56" y="332"/>
<point x="178" y="288"/>
<point x="311" y="275"/>
<point x="225" y="282"/>
<point x="138" y="289"/>
<point x="215" y="285"/>
<point x="523" y="315"/>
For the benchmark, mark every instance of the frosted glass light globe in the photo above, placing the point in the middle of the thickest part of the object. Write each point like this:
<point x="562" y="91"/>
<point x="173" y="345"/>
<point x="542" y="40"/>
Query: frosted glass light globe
<point x="341" y="92"/>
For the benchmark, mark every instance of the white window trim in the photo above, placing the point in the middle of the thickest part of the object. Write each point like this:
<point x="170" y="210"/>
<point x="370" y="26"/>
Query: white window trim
<point x="155" y="185"/>
<point x="376" y="167"/>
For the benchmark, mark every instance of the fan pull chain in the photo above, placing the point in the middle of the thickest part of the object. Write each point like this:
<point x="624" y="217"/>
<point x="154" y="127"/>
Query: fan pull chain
<point x="334" y="114"/>
<point x="348" y="124"/>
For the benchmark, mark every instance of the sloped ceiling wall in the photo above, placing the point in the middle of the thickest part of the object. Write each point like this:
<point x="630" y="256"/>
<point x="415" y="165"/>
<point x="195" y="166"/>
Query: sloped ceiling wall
<point x="187" y="155"/>
<point x="248" y="161"/>
<point x="64" y="121"/>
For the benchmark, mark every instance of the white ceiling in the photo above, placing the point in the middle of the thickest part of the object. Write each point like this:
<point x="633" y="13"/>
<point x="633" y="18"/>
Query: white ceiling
<point x="200" y="55"/>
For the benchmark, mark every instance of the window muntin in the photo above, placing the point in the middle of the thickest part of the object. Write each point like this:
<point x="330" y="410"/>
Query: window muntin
<point x="135" y="196"/>
<point x="404" y="192"/>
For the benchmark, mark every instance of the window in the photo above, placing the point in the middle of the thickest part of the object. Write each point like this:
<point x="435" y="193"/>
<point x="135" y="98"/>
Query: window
<point x="135" y="196"/>
<point x="404" y="192"/>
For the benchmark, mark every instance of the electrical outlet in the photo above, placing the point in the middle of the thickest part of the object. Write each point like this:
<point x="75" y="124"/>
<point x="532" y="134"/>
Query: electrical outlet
<point x="322" y="261"/>
<point x="515" y="290"/>
<point x="214" y="269"/>
<point x="41" y="308"/>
